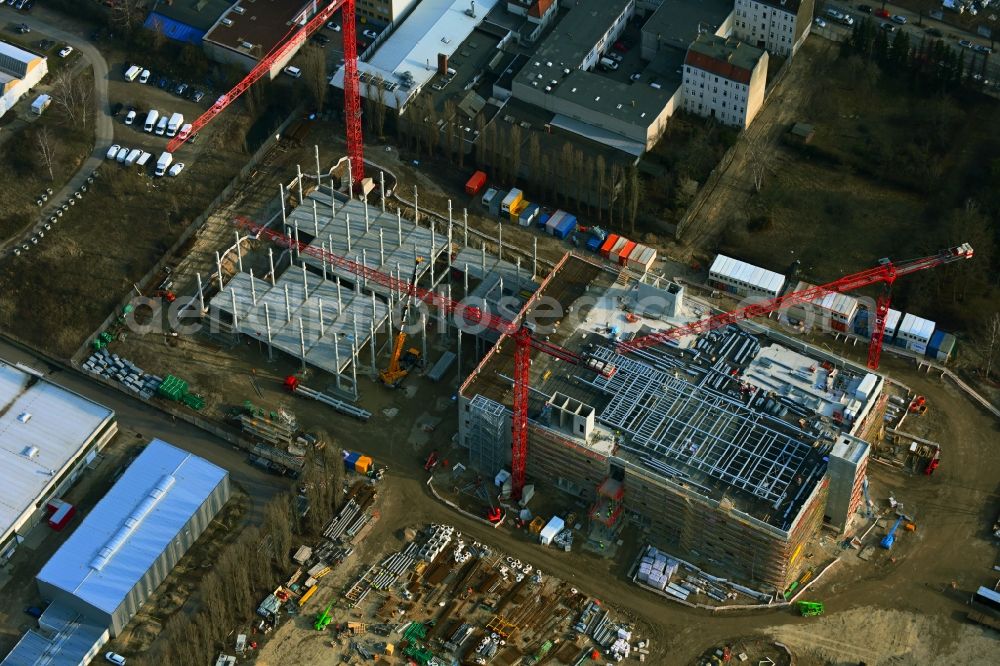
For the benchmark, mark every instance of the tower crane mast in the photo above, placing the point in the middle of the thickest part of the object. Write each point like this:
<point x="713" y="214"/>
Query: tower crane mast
<point x="294" y="38"/>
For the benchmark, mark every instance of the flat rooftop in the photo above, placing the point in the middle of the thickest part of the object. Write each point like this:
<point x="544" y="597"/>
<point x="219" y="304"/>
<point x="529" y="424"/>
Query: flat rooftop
<point x="264" y="24"/>
<point x="44" y="428"/>
<point x="712" y="413"/>
<point x="200" y="14"/>
<point x="63" y="638"/>
<point x="433" y="27"/>
<point x="676" y="23"/>
<point x="134" y="522"/>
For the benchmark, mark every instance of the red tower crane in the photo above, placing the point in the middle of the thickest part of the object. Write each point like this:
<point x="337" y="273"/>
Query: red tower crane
<point x="886" y="273"/>
<point x="292" y="40"/>
<point x="524" y="342"/>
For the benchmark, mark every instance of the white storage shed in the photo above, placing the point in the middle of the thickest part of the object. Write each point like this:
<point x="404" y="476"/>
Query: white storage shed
<point x="739" y="277"/>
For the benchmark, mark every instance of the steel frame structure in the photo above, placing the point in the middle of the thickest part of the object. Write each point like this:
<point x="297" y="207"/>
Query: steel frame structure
<point x="886" y="273"/>
<point x="289" y="42"/>
<point x="671" y="418"/>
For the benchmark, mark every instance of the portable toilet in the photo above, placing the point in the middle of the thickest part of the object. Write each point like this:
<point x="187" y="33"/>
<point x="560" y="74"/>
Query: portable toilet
<point x="542" y="220"/>
<point x="351" y="460"/>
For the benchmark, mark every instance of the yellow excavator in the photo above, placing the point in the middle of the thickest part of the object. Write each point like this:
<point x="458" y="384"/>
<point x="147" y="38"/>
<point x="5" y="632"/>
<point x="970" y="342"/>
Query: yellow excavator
<point x="400" y="363"/>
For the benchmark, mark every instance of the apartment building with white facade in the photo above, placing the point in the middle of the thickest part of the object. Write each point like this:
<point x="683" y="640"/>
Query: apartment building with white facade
<point x="778" y="26"/>
<point x="724" y="79"/>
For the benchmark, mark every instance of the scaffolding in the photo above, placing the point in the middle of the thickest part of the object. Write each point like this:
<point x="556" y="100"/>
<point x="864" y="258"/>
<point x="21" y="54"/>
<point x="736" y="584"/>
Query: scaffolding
<point x="608" y="508"/>
<point x="689" y="432"/>
<point x="488" y="435"/>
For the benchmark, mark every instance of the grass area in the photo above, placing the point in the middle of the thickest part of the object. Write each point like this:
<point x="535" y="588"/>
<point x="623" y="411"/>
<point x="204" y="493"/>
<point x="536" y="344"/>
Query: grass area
<point x="59" y="292"/>
<point x="21" y="159"/>
<point x="889" y="172"/>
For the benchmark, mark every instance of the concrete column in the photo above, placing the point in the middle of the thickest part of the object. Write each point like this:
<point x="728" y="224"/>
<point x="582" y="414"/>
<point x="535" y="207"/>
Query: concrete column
<point x="357" y="282"/>
<point x="253" y="288"/>
<point x="270" y="259"/>
<point x="298" y="254"/>
<point x="322" y="325"/>
<point x="465" y="280"/>
<point x="423" y="337"/>
<point x="336" y="355"/>
<point x="316" y="149"/>
<point x="333" y="201"/>
<point x="399" y="279"/>
<point x="350" y="179"/>
<point x="236" y="318"/>
<point x="267" y="327"/>
<point x="354" y="326"/>
<point x="381" y="181"/>
<point x="322" y="246"/>
<point x="347" y="219"/>
<point x="298" y="170"/>
<point x="218" y="268"/>
<point x="288" y="306"/>
<point x="465" y="225"/>
<point x="517" y="273"/>
<point x="340" y="303"/>
<point x="534" y="257"/>
<point x="458" y="355"/>
<point x="381" y="248"/>
<point x="284" y="218"/>
<point x="305" y="284"/>
<point x="354" y="367"/>
<point x="371" y="344"/>
<point x="364" y="262"/>
<point x="448" y="249"/>
<point x="201" y="295"/>
<point x="499" y="240"/>
<point x="302" y="343"/>
<point x="399" y="227"/>
<point x="366" y="215"/>
<point x="239" y="252"/>
<point x="315" y="220"/>
<point x="483" y="258"/>
<point x="416" y="207"/>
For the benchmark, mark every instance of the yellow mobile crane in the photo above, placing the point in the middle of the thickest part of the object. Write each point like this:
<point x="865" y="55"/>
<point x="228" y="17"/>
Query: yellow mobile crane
<point x="401" y="363"/>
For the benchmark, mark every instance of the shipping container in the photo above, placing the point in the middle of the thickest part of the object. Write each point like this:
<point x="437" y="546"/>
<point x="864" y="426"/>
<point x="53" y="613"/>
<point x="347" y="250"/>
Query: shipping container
<point x="609" y="242"/>
<point x="511" y="200"/>
<point x="946" y="348"/>
<point x="641" y="259"/>
<point x="620" y="256"/>
<point x="747" y="279"/>
<point x="619" y="243"/>
<point x="566" y="227"/>
<point x="593" y="243"/>
<point x="475" y="183"/>
<point x="528" y="215"/>
<point x="495" y="203"/>
<point x="914" y="332"/>
<point x="554" y="221"/>
<point x="517" y="209"/>
<point x="543" y="219"/>
<point x="489" y="196"/>
<point x="350" y="460"/>
<point x="363" y="465"/>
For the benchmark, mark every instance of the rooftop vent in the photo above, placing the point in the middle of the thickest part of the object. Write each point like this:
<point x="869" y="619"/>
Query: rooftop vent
<point x="30" y="452"/>
<point x="226" y="21"/>
<point x="597" y="99"/>
<point x="239" y="10"/>
<point x="247" y="45"/>
<point x="24" y="417"/>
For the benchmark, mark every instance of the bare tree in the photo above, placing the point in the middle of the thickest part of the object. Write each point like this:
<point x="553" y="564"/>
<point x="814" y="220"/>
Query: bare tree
<point x="73" y="95"/>
<point x="127" y="14"/>
<point x="991" y="343"/>
<point x="48" y="148"/>
<point x="758" y="163"/>
<point x="515" y="152"/>
<point x="535" y="157"/>
<point x="276" y="524"/>
<point x="314" y="72"/>
<point x="600" y="165"/>
<point x="480" y="141"/>
<point x="634" y="195"/>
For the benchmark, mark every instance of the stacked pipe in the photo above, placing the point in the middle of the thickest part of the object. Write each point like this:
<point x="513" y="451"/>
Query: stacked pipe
<point x="336" y="527"/>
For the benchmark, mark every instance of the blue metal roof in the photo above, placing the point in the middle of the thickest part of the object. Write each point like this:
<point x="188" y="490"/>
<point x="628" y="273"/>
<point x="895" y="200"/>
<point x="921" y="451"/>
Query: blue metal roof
<point x="136" y="520"/>
<point x="63" y="638"/>
<point x="175" y="30"/>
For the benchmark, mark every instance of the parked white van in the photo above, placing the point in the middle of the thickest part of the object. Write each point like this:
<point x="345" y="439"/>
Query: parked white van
<point x="151" y="119"/>
<point x="293" y="72"/>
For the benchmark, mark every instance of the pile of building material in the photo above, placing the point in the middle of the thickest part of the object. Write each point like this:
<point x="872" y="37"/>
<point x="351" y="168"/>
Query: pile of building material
<point x="105" y="364"/>
<point x="440" y="538"/>
<point x="656" y="569"/>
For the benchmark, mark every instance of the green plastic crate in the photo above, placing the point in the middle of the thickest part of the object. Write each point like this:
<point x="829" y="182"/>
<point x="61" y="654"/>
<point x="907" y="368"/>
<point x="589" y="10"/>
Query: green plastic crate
<point x="193" y="400"/>
<point x="173" y="388"/>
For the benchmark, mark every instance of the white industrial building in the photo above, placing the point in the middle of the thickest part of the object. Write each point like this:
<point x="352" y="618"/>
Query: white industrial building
<point x="914" y="333"/>
<point x="135" y="535"/>
<point x="724" y="79"/>
<point x="20" y="71"/>
<point x="408" y="59"/>
<point x="126" y="547"/>
<point x="48" y="435"/>
<point x="739" y="277"/>
<point x="778" y="26"/>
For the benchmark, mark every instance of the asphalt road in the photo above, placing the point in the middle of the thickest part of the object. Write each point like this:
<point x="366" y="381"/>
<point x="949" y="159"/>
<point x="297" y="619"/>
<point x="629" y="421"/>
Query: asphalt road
<point x="150" y="422"/>
<point x="49" y="24"/>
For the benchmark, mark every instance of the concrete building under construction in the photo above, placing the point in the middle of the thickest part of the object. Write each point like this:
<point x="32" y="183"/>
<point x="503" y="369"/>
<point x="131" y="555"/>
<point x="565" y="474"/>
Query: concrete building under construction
<point x="732" y="447"/>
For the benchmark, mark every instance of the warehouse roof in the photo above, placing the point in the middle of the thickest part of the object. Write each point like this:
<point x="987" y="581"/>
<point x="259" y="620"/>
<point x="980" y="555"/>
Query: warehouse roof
<point x="63" y="638"/>
<point x="200" y="14"/>
<point x="740" y="271"/>
<point x="677" y="23"/>
<point x="43" y="429"/>
<point x="262" y="24"/>
<point x="129" y="528"/>
<point x="916" y="327"/>
<point x="434" y="26"/>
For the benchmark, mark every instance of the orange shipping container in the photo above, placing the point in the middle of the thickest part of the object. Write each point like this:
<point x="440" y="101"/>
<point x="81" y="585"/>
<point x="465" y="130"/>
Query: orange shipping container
<point x="363" y="465"/>
<point x="624" y="251"/>
<point x="609" y="243"/>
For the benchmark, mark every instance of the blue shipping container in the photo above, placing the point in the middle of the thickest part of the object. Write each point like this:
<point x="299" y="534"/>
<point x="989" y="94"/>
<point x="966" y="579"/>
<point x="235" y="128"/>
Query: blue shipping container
<point x="935" y="344"/>
<point x="594" y="244"/>
<point x="542" y="219"/>
<point x="565" y="227"/>
<point x="350" y="459"/>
